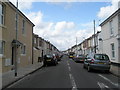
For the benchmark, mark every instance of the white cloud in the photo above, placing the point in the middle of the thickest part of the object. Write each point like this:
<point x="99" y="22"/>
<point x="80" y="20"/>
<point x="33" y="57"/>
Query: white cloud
<point x="61" y="34"/>
<point x="64" y="25"/>
<point x="108" y="10"/>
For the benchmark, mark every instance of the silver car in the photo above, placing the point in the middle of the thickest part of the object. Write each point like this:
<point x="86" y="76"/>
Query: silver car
<point x="97" y="62"/>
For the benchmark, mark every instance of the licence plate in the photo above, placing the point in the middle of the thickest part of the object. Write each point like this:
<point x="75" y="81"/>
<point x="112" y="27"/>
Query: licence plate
<point x="49" y="60"/>
<point x="100" y="63"/>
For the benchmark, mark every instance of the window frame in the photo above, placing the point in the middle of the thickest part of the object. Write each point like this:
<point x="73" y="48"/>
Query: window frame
<point x="113" y="50"/>
<point x="2" y="47"/>
<point x="23" y="49"/>
<point x="111" y="28"/>
<point x="23" y="26"/>
<point x="2" y="14"/>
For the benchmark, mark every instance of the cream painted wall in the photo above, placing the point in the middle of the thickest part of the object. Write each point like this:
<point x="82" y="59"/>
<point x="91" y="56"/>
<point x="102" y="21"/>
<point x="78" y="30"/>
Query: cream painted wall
<point x="108" y="39"/>
<point x="8" y="34"/>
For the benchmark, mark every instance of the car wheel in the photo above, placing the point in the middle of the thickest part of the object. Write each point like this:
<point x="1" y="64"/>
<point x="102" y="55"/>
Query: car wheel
<point x="88" y="69"/>
<point x="55" y="64"/>
<point x="107" y="71"/>
<point x="83" y="66"/>
<point x="44" y="65"/>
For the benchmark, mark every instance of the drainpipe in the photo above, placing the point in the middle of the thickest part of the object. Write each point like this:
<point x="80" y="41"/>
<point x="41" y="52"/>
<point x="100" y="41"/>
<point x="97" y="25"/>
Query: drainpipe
<point x="119" y="35"/>
<point x="32" y="46"/>
<point x="16" y="39"/>
<point x="119" y="50"/>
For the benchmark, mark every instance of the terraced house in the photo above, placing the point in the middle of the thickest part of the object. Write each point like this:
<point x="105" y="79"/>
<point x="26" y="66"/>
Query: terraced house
<point x="38" y="51"/>
<point x="110" y="37"/>
<point x="16" y="32"/>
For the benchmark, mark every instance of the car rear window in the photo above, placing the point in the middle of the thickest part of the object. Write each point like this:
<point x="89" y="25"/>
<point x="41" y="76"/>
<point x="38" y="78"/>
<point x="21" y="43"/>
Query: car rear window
<point x="82" y="56"/>
<point x="101" y="57"/>
<point x="49" y="56"/>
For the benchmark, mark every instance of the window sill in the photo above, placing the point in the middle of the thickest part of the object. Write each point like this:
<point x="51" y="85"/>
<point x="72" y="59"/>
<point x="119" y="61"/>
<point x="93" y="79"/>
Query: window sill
<point x="112" y="35"/>
<point x="113" y="59"/>
<point x="23" y="54"/>
<point x="2" y="56"/>
<point x="3" y="26"/>
<point x="24" y="35"/>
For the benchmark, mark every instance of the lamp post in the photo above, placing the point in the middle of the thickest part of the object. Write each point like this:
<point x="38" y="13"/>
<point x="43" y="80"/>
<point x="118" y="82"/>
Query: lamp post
<point x="76" y="47"/>
<point x="94" y="38"/>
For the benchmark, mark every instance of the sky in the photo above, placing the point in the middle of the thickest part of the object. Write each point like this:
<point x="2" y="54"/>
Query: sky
<point x="63" y="21"/>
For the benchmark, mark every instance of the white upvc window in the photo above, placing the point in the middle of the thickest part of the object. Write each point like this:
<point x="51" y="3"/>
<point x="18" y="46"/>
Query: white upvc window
<point x="23" y="49"/>
<point x="2" y="47"/>
<point x="35" y="41"/>
<point x="113" y="50"/>
<point x="1" y="14"/>
<point x="111" y="27"/>
<point x="23" y="27"/>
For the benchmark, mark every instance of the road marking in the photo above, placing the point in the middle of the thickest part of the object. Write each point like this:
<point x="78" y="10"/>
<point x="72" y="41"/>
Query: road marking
<point x="74" y="87"/>
<point x="115" y="84"/>
<point x="69" y="68"/>
<point x="68" y="64"/>
<point x="102" y="86"/>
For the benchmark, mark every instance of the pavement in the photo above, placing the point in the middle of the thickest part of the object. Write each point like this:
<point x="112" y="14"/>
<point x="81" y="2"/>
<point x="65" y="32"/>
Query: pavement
<point x="9" y="77"/>
<point x="115" y="70"/>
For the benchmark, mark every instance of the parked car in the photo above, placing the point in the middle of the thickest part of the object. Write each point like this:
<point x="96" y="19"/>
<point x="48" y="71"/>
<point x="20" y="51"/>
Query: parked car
<point x="71" y="55"/>
<point x="58" y="57"/>
<point x="97" y="62"/>
<point x="50" y="59"/>
<point x="79" y="58"/>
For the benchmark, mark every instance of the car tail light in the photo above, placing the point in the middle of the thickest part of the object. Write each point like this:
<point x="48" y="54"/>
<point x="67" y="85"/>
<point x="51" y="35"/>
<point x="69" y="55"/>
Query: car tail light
<point x="92" y="61"/>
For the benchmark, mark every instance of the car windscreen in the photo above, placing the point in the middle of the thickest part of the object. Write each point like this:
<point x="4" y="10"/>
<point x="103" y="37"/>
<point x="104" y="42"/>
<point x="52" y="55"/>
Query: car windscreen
<point x="101" y="57"/>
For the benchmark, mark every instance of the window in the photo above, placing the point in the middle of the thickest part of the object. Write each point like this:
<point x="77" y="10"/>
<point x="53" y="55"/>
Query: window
<point x="101" y="57"/>
<point x="1" y="14"/>
<point x="111" y="27"/>
<point x="23" y="49"/>
<point x="113" y="50"/>
<point x="40" y="43"/>
<point x="2" y="47"/>
<point x="23" y="27"/>
<point x="35" y="41"/>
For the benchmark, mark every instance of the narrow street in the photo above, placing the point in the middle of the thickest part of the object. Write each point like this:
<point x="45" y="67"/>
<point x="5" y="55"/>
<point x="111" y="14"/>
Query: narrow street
<point x="68" y="74"/>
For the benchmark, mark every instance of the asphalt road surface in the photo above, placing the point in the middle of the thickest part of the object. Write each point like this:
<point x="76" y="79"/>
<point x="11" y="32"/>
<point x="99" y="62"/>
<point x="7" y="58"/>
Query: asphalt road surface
<point x="68" y="75"/>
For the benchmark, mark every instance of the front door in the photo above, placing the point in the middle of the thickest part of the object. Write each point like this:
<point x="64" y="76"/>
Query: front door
<point x="13" y="55"/>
